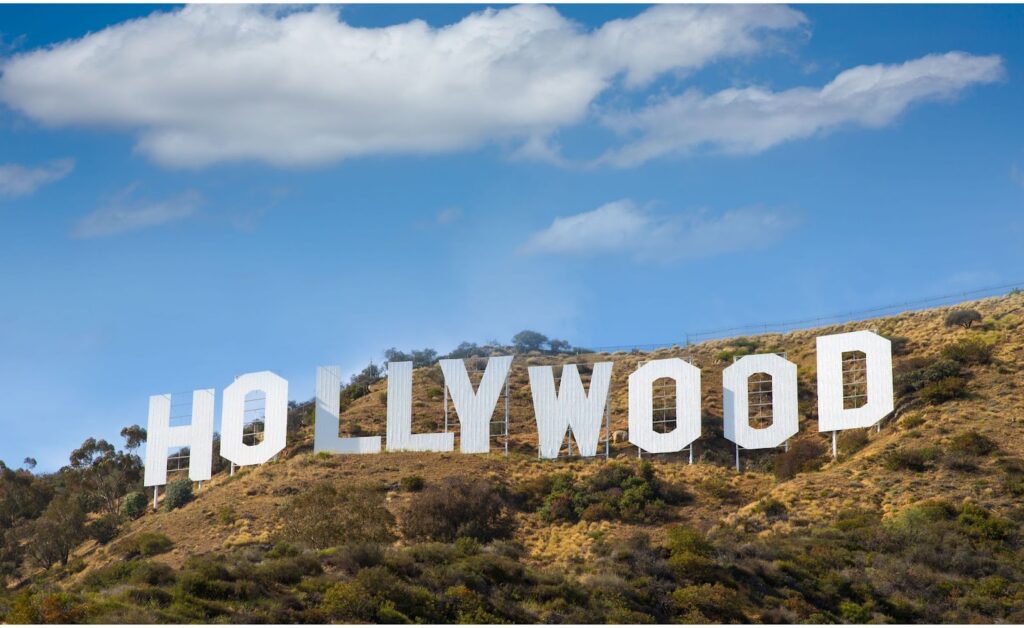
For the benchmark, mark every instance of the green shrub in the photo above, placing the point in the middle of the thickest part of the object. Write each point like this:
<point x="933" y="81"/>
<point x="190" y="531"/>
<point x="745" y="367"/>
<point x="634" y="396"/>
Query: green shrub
<point x="110" y="575"/>
<point x="412" y="483"/>
<point x="971" y="443"/>
<point x="457" y="507"/>
<point x="804" y="454"/>
<point x="911" y="421"/>
<point x="354" y="556"/>
<point x="910" y="458"/>
<point x="854" y="613"/>
<point x="210" y="579"/>
<point x="134" y="505"/>
<point x="149" y="572"/>
<point x="179" y="493"/>
<point x="946" y="389"/>
<point x="151" y="543"/>
<point x="969" y="351"/>
<point x="691" y="554"/>
<point x="149" y="596"/>
<point x="738" y="348"/>
<point x="283" y="550"/>
<point x="980" y="524"/>
<point x="851" y="441"/>
<point x="226" y="515"/>
<point x="104" y="529"/>
<point x="288" y="570"/>
<point x="323" y="515"/>
<point x="900" y="344"/>
<point x="435" y="392"/>
<point x="707" y="603"/>
<point x="614" y="492"/>
<point x="773" y="509"/>
<point x="349" y="602"/>
<point x="915" y="374"/>
<point x="530" y="494"/>
<point x="135" y="571"/>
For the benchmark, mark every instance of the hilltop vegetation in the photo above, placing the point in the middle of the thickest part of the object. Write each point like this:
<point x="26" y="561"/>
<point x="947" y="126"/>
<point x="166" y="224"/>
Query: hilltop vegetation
<point x="918" y="521"/>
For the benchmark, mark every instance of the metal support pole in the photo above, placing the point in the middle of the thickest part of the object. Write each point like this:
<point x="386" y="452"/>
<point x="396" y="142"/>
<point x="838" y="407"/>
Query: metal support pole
<point x="506" y="414"/>
<point x="156" y="493"/>
<point x="232" y="469"/>
<point x="786" y="445"/>
<point x="691" y="453"/>
<point x="200" y="489"/>
<point x="737" y="458"/>
<point x="833" y="444"/>
<point x="446" y="407"/>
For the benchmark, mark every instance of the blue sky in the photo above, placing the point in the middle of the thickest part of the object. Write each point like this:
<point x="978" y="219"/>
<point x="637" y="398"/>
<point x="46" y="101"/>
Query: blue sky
<point x="203" y="193"/>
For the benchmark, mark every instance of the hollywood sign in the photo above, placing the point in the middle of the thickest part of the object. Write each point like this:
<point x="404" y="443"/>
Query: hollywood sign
<point x="557" y="409"/>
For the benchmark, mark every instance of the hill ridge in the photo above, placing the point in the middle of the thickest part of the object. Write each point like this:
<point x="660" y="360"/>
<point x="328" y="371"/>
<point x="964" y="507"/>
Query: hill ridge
<point x="914" y="458"/>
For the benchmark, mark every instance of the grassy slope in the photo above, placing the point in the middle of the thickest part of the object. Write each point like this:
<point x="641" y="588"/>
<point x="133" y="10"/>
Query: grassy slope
<point x="241" y="510"/>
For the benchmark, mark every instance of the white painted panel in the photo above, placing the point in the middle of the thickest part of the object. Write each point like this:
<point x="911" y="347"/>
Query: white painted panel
<point x="641" y="413"/>
<point x="736" y="401"/>
<point x="399" y="433"/>
<point x="327" y="424"/>
<point x="275" y="428"/>
<point x="197" y="436"/>
<point x="878" y="350"/>
<point x="475" y="409"/>
<point x="570" y="407"/>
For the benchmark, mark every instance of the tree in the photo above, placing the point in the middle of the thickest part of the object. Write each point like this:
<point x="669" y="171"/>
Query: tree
<point x="423" y="357"/>
<point x="30" y="463"/>
<point x="559" y="346"/>
<point x="394" y="355"/>
<point x="963" y="318"/>
<point x="134" y="436"/>
<point x="21" y="497"/>
<point x="526" y="341"/>
<point x="419" y="357"/>
<point x="466" y="350"/>
<point x="104" y="474"/>
<point x="359" y="385"/>
<point x="324" y="516"/>
<point x="56" y="532"/>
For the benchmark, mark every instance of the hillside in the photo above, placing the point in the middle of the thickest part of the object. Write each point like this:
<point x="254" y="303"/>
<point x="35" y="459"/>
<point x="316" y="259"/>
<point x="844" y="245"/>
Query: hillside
<point x="917" y="521"/>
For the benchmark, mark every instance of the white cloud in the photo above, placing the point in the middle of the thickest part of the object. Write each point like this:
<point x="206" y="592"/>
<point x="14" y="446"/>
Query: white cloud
<point x="16" y="180"/>
<point x="213" y="83"/>
<point x="624" y="227"/>
<point x="753" y="119"/>
<point x="448" y="215"/>
<point x="1017" y="174"/>
<point x="124" y="214"/>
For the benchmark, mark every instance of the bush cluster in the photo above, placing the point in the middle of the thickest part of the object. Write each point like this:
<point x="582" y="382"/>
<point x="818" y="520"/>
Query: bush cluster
<point x="458" y="507"/>
<point x="325" y="515"/>
<point x="179" y="493"/>
<point x="933" y="562"/>
<point x="616" y="491"/>
<point x="944" y="379"/>
<point x="804" y="454"/>
<point x="135" y="504"/>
